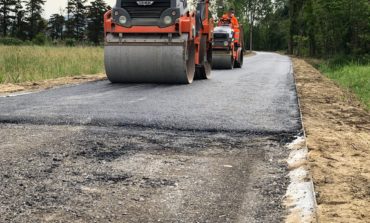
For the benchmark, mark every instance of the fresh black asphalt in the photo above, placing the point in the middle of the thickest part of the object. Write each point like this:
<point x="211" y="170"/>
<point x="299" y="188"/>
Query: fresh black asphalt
<point x="259" y="98"/>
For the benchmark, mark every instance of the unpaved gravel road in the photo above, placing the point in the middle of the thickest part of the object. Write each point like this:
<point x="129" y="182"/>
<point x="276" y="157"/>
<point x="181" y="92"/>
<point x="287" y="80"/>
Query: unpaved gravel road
<point x="209" y="152"/>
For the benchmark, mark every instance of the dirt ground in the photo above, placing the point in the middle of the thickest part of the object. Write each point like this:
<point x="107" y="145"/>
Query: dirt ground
<point x="45" y="84"/>
<point x="100" y="174"/>
<point x="338" y="137"/>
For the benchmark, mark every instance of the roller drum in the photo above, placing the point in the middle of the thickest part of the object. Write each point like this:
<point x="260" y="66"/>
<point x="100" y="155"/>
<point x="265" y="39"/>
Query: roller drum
<point x="222" y="61"/>
<point x="150" y="63"/>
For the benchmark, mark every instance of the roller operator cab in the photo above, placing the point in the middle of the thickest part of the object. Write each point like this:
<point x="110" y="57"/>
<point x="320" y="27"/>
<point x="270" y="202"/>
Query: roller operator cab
<point x="158" y="41"/>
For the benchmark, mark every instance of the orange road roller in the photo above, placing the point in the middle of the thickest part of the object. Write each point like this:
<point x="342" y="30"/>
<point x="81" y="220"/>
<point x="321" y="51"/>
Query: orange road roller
<point x="158" y="41"/>
<point x="227" y="46"/>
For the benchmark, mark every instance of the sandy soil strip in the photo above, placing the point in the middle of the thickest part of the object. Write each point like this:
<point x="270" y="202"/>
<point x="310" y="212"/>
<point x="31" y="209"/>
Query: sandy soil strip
<point x="6" y="89"/>
<point x="338" y="138"/>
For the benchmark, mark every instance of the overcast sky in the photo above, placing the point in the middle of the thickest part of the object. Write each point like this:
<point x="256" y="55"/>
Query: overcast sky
<point x="54" y="6"/>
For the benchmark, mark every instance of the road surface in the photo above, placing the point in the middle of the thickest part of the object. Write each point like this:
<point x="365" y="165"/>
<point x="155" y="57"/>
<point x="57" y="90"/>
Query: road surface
<point x="212" y="151"/>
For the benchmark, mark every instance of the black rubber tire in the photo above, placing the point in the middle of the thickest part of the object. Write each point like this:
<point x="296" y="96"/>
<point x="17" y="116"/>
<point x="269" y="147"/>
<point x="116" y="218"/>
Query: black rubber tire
<point x="203" y="71"/>
<point x="232" y="63"/>
<point x="190" y="63"/>
<point x="239" y="62"/>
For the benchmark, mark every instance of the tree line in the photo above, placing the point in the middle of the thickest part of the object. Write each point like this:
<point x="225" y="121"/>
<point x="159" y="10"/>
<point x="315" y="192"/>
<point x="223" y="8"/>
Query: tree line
<point x="306" y="27"/>
<point x="302" y="27"/>
<point x="79" y="21"/>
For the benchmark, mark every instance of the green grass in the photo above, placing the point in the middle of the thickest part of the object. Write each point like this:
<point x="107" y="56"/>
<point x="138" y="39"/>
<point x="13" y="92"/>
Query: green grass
<point x="33" y="63"/>
<point x="352" y="76"/>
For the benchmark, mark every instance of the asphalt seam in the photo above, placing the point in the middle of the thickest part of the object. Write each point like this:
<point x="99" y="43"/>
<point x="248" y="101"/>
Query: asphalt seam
<point x="19" y="121"/>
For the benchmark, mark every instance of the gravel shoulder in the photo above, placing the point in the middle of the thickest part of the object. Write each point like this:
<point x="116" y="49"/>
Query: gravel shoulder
<point x="337" y="128"/>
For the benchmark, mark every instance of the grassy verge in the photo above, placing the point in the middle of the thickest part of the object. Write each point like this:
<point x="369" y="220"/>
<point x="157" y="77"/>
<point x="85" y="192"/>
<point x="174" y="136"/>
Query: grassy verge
<point x="32" y="63"/>
<point x="352" y="76"/>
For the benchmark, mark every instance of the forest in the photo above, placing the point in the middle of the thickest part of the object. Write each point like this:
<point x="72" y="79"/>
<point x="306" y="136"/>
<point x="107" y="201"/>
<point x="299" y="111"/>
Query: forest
<point x="21" y="22"/>
<point x="320" y="28"/>
<point x="317" y="28"/>
<point x="307" y="27"/>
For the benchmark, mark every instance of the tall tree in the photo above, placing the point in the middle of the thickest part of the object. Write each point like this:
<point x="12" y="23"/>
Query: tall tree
<point x="6" y="15"/>
<point x="19" y="24"/>
<point x="95" y="14"/>
<point x="295" y="9"/>
<point x="255" y="11"/>
<point x="76" y="22"/>
<point x="69" y="22"/>
<point x="55" y="26"/>
<point x="35" y="22"/>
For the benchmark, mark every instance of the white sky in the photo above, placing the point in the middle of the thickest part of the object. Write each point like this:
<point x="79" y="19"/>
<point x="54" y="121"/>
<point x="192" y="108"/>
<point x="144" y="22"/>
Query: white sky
<point x="54" y="6"/>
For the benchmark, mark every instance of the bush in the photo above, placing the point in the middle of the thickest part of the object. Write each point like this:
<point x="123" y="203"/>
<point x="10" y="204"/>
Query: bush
<point x="343" y="60"/>
<point x="40" y="39"/>
<point x="27" y="43"/>
<point x="70" y="42"/>
<point x="8" y="41"/>
<point x="301" y="45"/>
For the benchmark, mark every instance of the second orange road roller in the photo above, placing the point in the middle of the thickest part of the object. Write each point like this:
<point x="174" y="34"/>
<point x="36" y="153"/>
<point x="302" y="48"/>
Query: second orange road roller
<point x="158" y="41"/>
<point x="227" y="45"/>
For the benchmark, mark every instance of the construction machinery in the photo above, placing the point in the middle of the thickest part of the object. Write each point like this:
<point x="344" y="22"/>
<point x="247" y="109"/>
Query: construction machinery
<point x="227" y="46"/>
<point x="158" y="41"/>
